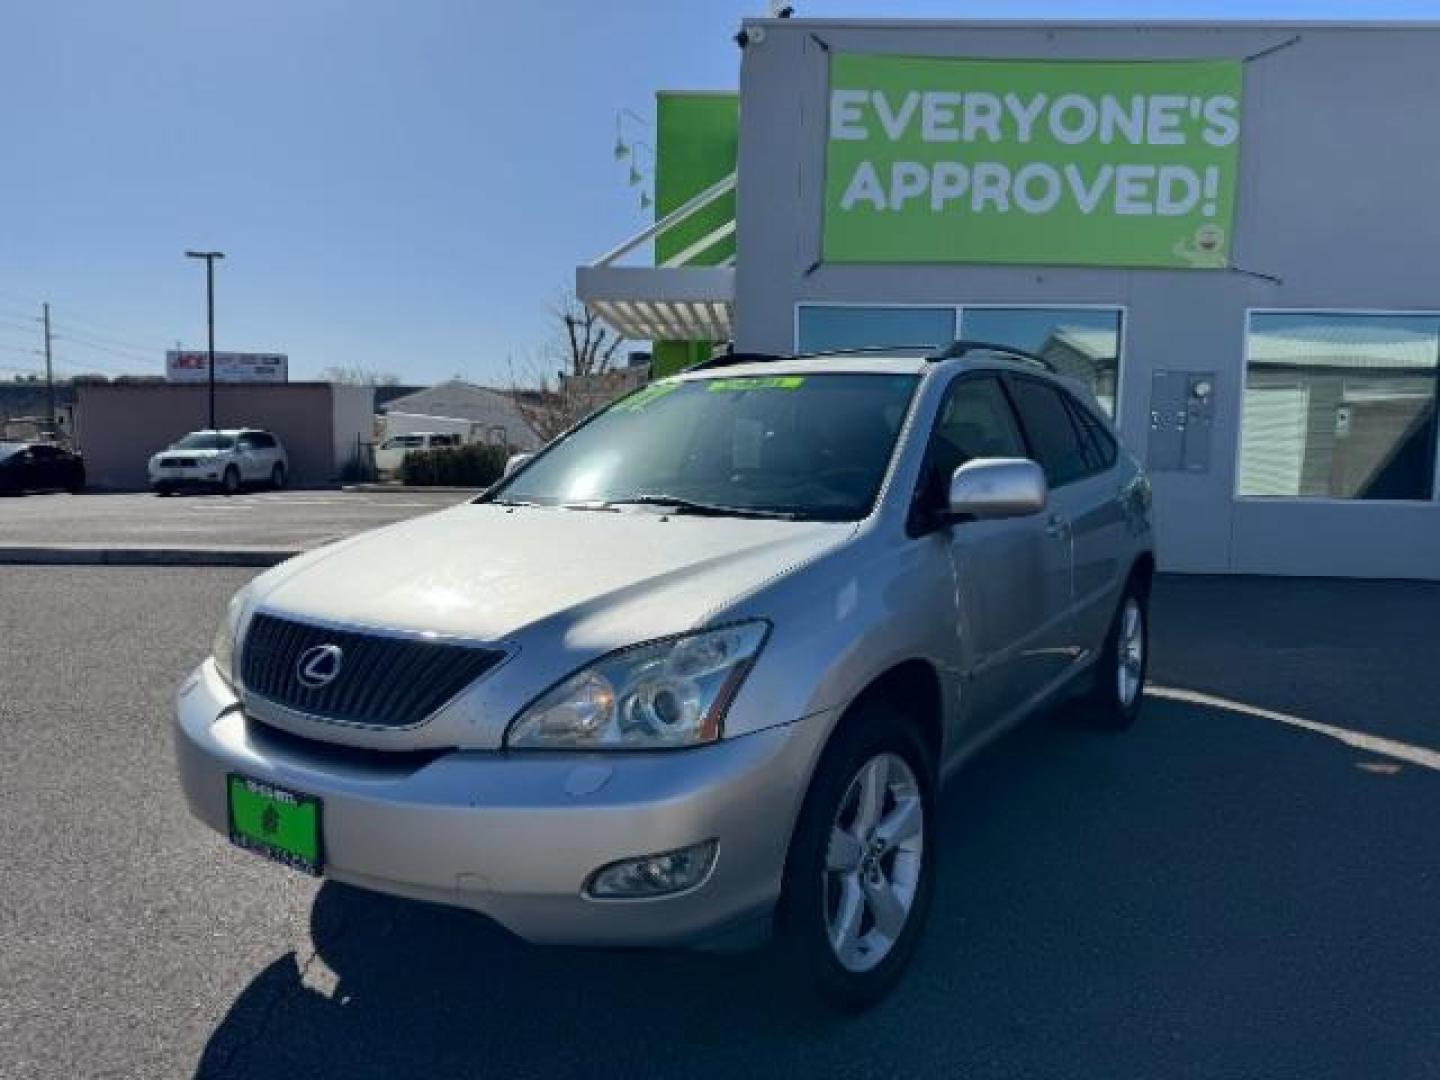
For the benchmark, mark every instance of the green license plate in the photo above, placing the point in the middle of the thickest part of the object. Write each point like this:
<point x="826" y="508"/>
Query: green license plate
<point x="279" y="824"/>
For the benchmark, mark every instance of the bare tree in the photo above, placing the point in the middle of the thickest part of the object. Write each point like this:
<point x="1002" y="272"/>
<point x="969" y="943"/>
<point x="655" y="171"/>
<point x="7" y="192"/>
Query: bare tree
<point x="587" y="346"/>
<point x="354" y="375"/>
<point x="573" y="374"/>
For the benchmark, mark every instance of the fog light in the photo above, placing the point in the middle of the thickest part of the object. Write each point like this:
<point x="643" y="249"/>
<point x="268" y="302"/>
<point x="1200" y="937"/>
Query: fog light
<point x="655" y="875"/>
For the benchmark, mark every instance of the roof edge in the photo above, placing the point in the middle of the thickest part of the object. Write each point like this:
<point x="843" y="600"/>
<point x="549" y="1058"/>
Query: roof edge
<point x="1096" y="24"/>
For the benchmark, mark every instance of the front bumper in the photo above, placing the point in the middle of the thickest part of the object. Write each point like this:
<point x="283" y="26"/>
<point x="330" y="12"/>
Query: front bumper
<point x="515" y="836"/>
<point x="179" y="478"/>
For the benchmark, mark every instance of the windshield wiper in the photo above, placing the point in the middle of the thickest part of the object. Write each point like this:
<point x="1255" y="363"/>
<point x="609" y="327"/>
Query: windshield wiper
<point x="689" y="506"/>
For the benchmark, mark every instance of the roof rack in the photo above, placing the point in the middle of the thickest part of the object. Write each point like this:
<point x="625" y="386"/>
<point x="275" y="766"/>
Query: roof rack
<point x="722" y="358"/>
<point x="964" y="347"/>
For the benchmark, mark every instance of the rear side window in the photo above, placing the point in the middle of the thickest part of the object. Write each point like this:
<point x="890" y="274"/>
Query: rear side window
<point x="1054" y="441"/>
<point x="259" y="440"/>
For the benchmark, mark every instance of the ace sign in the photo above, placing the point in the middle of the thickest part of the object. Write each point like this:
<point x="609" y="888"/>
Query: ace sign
<point x="1095" y="163"/>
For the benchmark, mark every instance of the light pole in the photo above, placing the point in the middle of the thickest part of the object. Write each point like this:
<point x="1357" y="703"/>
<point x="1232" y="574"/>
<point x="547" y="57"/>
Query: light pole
<point x="209" y="257"/>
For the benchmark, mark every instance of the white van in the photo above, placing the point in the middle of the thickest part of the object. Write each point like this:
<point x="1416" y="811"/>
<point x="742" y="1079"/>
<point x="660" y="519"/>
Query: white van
<point x="390" y="454"/>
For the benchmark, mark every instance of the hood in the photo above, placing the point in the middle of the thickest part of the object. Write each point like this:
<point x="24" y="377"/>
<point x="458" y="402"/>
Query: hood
<point x="199" y="455"/>
<point x="595" y="579"/>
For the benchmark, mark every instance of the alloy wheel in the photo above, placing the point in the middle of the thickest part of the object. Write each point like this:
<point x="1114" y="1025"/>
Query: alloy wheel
<point x="873" y="862"/>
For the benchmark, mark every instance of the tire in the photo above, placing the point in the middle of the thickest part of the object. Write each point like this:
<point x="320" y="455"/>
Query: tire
<point x="230" y="480"/>
<point x="277" y="476"/>
<point x="163" y="490"/>
<point x="828" y="921"/>
<point x="1119" y="684"/>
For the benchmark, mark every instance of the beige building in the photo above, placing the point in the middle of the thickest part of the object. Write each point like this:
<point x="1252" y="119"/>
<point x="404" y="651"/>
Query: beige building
<point x="119" y="425"/>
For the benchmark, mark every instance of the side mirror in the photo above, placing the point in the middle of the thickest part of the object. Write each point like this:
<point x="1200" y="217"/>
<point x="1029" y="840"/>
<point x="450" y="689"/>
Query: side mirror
<point x="514" y="461"/>
<point x="987" y="489"/>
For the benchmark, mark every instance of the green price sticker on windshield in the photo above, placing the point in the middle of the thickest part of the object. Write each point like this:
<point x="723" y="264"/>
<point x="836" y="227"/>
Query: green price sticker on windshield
<point x="772" y="382"/>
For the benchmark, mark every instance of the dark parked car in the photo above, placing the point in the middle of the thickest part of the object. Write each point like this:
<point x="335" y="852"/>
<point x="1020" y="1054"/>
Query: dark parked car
<point x="39" y="467"/>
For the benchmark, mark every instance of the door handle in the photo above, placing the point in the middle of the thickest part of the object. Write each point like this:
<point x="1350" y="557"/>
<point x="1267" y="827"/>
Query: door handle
<point x="1057" y="526"/>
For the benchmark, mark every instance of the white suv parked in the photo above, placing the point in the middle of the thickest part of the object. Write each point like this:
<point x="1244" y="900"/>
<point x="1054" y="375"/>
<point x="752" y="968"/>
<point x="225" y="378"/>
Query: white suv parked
<point x="224" y="459"/>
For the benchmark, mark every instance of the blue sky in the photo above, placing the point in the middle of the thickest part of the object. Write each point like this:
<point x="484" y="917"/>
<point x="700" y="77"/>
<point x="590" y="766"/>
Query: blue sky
<point x="398" y="186"/>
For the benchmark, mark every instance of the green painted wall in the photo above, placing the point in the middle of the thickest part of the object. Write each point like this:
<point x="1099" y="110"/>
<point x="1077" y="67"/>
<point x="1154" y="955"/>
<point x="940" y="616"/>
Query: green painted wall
<point x="695" y="145"/>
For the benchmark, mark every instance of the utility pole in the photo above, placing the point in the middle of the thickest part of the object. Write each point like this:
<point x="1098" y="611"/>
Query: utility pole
<point x="49" y="369"/>
<point x="209" y="257"/>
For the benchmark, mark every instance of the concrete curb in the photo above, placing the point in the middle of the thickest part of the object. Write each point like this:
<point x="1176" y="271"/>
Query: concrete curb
<point x="101" y="555"/>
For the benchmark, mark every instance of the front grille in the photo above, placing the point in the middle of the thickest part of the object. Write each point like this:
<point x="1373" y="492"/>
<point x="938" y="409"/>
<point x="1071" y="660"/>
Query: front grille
<point x="383" y="681"/>
<point x="177" y="463"/>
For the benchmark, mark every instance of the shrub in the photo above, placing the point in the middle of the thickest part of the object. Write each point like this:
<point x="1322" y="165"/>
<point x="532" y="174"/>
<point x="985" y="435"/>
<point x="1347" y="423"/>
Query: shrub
<point x="472" y="465"/>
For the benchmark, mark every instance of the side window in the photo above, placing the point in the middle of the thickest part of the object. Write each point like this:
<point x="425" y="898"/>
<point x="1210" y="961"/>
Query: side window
<point x="975" y="421"/>
<point x="246" y="442"/>
<point x="261" y="441"/>
<point x="1051" y="433"/>
<point x="1099" y="444"/>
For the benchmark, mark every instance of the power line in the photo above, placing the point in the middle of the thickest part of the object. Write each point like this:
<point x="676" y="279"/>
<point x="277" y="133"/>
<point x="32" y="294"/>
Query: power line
<point x="33" y="327"/>
<point x="107" y="339"/>
<point x="89" y="327"/>
<point x="114" y="367"/>
<point x="84" y="343"/>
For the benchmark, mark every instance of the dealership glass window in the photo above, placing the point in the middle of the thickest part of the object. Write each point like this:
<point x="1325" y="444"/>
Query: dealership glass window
<point x="822" y="327"/>
<point x="1339" y="406"/>
<point x="1083" y="343"/>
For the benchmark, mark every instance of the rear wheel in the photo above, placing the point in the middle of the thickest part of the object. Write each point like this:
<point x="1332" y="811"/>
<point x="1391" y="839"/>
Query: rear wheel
<point x="861" y="866"/>
<point x="1119" y="686"/>
<point x="277" y="477"/>
<point x="230" y="480"/>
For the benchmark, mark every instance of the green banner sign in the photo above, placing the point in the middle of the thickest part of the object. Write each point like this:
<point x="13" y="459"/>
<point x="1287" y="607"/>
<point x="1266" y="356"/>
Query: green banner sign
<point x="1093" y="163"/>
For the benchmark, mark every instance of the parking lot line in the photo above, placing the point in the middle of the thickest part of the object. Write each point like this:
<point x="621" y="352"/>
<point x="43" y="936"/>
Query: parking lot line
<point x="1374" y="744"/>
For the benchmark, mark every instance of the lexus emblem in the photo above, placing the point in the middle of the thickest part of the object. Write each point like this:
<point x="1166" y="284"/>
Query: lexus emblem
<point x="318" y="666"/>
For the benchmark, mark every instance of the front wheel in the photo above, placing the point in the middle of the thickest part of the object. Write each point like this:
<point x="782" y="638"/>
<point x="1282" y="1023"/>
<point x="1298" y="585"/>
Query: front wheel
<point x="1119" y="685"/>
<point x="230" y="480"/>
<point x="861" y="867"/>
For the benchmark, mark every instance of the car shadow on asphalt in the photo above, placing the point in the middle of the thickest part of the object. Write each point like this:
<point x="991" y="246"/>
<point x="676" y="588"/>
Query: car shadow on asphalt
<point x="1196" y="897"/>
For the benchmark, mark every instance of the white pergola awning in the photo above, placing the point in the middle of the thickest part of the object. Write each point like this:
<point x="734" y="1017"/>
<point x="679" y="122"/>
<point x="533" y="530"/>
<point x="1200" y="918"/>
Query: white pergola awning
<point x="677" y="301"/>
<point x="661" y="303"/>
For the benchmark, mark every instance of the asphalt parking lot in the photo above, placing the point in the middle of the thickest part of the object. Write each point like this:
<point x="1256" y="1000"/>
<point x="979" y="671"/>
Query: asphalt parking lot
<point x="284" y="520"/>
<point x="1218" y="893"/>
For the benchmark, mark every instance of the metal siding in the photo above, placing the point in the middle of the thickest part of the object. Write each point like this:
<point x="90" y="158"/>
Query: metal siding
<point x="1313" y="209"/>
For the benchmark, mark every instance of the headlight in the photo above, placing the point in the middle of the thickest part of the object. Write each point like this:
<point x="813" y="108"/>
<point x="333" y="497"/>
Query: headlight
<point x="663" y="694"/>
<point x="227" y="634"/>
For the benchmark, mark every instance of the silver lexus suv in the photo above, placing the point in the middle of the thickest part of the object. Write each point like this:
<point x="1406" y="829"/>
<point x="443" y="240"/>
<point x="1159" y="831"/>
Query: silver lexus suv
<point x="699" y="667"/>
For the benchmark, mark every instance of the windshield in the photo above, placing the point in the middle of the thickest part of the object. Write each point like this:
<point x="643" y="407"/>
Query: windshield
<point x="205" y="440"/>
<point x="402" y="440"/>
<point x="808" y="446"/>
